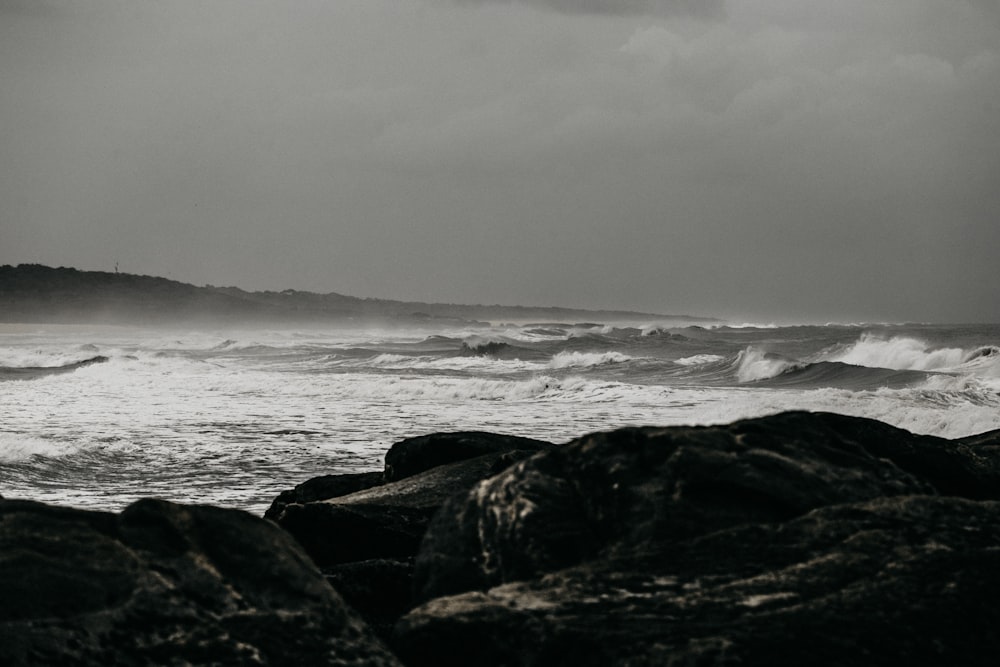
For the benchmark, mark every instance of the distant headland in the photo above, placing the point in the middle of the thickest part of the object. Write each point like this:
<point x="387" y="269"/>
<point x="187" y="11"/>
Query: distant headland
<point x="37" y="293"/>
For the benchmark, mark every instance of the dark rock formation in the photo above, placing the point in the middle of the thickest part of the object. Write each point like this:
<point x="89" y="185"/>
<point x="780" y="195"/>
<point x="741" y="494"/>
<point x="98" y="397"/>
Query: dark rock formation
<point x="908" y="580"/>
<point x="625" y="490"/>
<point x="987" y="439"/>
<point x="166" y="584"/>
<point x="415" y="455"/>
<point x="347" y="518"/>
<point x="365" y="533"/>
<point x="386" y="521"/>
<point x="323" y="488"/>
<point x="407" y="458"/>
<point x="379" y="589"/>
<point x="788" y="540"/>
<point x="793" y="539"/>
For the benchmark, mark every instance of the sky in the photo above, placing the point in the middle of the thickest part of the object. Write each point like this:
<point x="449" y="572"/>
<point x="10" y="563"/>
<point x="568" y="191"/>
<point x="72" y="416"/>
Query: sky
<point x="770" y="160"/>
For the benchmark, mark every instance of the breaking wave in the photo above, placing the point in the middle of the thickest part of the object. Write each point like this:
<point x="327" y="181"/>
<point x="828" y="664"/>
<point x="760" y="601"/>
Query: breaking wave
<point x="585" y="359"/>
<point x="900" y="353"/>
<point x="699" y="360"/>
<point x="16" y="448"/>
<point x="180" y="414"/>
<point x="32" y="372"/>
<point x="873" y="361"/>
<point x="753" y="364"/>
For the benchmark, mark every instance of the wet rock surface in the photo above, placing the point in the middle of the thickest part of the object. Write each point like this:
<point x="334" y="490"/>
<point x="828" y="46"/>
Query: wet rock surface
<point x="323" y="488"/>
<point x="365" y="530"/>
<point x="625" y="490"/>
<point x="166" y="584"/>
<point x="793" y="539"/>
<point x="385" y="521"/>
<point x="789" y="540"/>
<point x="415" y="455"/>
<point x="906" y="580"/>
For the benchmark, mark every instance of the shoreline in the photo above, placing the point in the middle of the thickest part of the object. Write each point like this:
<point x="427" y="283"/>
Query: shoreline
<point x="626" y="540"/>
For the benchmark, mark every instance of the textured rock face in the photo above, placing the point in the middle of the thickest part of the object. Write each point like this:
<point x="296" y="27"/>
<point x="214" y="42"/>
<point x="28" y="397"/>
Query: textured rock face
<point x="166" y="584"/>
<point x="415" y="455"/>
<point x="987" y="439"/>
<point x="786" y="540"/>
<point x="323" y="488"/>
<point x="364" y="530"/>
<point x="347" y="518"/>
<point x="626" y="490"/>
<point x="379" y="589"/>
<point x="386" y="521"/>
<point x="902" y="581"/>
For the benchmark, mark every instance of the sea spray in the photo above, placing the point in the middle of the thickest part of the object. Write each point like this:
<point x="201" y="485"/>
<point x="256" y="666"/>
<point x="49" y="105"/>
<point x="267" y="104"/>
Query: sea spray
<point x="230" y="417"/>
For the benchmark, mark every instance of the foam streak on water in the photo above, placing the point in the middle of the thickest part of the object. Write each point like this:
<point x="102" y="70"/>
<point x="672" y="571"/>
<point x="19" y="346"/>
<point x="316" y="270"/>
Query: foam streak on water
<point x="233" y="417"/>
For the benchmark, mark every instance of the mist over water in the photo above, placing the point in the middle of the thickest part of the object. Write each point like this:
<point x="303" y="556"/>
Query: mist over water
<point x="98" y="417"/>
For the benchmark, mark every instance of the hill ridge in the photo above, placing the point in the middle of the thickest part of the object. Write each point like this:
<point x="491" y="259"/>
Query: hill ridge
<point x="39" y="293"/>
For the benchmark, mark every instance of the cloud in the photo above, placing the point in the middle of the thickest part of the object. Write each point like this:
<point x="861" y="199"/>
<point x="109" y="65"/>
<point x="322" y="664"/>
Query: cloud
<point x="817" y="158"/>
<point x="36" y="8"/>
<point x="705" y="9"/>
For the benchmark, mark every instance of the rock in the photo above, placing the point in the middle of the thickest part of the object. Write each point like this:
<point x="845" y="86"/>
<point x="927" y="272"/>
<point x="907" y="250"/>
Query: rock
<point x="968" y="467"/>
<point x="388" y="520"/>
<point x="786" y="540"/>
<point x="385" y="521"/>
<point x="365" y="541"/>
<point x="415" y="455"/>
<point x="323" y="488"/>
<point x="378" y="589"/>
<point x="167" y="584"/>
<point x="907" y="580"/>
<point x="334" y="533"/>
<point x="630" y="490"/>
<point x="987" y="439"/>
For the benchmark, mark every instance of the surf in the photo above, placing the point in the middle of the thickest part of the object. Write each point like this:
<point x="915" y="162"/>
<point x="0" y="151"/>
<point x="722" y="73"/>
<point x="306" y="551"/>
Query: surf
<point x="35" y="372"/>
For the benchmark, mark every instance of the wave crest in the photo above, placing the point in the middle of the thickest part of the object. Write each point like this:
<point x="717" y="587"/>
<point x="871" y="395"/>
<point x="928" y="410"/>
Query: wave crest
<point x="755" y="364"/>
<point x="584" y="359"/>
<point x="699" y="360"/>
<point x="491" y="348"/>
<point x="899" y="353"/>
<point x="18" y="448"/>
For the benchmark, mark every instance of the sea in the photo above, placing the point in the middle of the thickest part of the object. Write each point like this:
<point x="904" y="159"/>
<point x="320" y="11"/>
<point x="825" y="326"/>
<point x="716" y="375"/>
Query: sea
<point x="100" y="416"/>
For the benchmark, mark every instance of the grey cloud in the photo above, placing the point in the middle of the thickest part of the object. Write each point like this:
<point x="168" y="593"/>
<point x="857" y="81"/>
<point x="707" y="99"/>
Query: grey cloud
<point x="707" y="9"/>
<point x="34" y="7"/>
<point x="795" y="159"/>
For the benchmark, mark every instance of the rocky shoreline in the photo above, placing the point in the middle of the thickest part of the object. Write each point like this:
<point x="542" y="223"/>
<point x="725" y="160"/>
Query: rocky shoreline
<point x="800" y="538"/>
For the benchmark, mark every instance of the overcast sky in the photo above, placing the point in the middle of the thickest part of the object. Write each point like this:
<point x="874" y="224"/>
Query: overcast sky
<point x="762" y="160"/>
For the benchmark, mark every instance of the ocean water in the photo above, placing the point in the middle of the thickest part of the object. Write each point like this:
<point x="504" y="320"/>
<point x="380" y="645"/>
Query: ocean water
<point x="98" y="417"/>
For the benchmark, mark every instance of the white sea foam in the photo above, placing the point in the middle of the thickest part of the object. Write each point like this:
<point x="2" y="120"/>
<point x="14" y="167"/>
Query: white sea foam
<point x="948" y="414"/>
<point x="17" y="447"/>
<point x="899" y="353"/>
<point x="169" y="416"/>
<point x="578" y="332"/>
<point x="51" y="357"/>
<point x="395" y="361"/>
<point x="483" y="363"/>
<point x="583" y="359"/>
<point x="984" y="363"/>
<point x="755" y="364"/>
<point x="745" y="325"/>
<point x="699" y="360"/>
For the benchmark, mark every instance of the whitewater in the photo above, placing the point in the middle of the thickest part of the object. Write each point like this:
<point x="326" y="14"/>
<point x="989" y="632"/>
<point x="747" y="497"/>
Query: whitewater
<point x="98" y="417"/>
